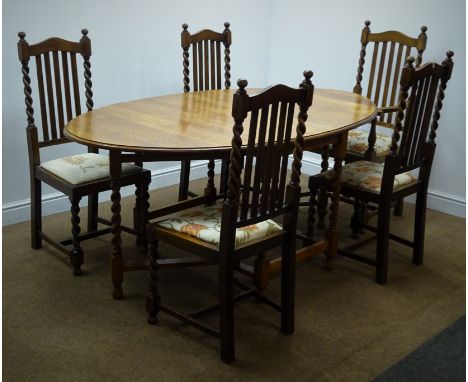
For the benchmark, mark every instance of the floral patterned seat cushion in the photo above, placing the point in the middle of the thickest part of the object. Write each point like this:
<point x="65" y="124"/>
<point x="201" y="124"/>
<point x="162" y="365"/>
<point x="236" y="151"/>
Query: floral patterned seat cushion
<point x="204" y="223"/>
<point x="82" y="168"/>
<point x="368" y="175"/>
<point x="358" y="143"/>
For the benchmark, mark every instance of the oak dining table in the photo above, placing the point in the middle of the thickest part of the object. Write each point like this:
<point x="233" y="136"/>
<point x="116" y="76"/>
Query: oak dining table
<point x="198" y="125"/>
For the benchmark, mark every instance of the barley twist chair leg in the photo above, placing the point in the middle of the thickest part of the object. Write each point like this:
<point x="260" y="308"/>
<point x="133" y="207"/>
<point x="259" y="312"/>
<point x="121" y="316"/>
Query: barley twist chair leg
<point x="311" y="212"/>
<point x="76" y="255"/>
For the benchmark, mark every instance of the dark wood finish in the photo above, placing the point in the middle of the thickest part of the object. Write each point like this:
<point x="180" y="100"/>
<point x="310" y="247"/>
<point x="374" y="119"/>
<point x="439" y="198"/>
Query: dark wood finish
<point x="273" y="202"/>
<point x="55" y="106"/>
<point x="390" y="87"/>
<point x="205" y="71"/>
<point x="381" y="89"/>
<point x="422" y="91"/>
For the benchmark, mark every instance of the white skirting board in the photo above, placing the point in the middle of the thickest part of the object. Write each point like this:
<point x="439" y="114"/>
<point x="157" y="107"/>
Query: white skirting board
<point x="19" y="211"/>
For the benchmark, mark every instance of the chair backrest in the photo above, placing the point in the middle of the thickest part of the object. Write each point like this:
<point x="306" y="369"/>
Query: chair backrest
<point x="391" y="48"/>
<point x="206" y="58"/>
<point x="261" y="193"/>
<point x="419" y="109"/>
<point x="59" y="93"/>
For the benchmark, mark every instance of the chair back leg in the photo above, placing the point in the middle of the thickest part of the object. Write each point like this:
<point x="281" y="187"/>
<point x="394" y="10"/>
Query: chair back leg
<point x="398" y="210"/>
<point x="93" y="201"/>
<point x="383" y="229"/>
<point x="36" y="214"/>
<point x="419" y="226"/>
<point x="226" y="309"/>
<point x="288" y="276"/>
<point x="184" y="180"/>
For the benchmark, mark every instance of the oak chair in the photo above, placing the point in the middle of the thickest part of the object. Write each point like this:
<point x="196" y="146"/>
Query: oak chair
<point x="389" y="51"/>
<point x="77" y="175"/>
<point x="417" y="119"/>
<point x="382" y="87"/>
<point x="207" y="75"/>
<point x="225" y="233"/>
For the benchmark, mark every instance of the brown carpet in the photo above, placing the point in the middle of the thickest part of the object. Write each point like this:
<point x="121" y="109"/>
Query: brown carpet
<point x="57" y="327"/>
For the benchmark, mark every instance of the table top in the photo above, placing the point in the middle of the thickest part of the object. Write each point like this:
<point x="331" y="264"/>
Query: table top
<point x="202" y="121"/>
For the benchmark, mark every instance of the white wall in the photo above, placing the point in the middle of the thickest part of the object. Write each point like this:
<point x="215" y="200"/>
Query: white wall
<point x="136" y="53"/>
<point x="324" y="36"/>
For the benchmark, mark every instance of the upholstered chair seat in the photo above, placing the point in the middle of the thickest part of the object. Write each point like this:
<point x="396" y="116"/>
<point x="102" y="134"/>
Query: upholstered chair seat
<point x="368" y="175"/>
<point x="83" y="168"/>
<point x="204" y="223"/>
<point x="358" y="143"/>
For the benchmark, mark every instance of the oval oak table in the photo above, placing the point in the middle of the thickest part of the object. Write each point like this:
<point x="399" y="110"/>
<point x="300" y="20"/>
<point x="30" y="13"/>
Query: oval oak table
<point x="198" y="125"/>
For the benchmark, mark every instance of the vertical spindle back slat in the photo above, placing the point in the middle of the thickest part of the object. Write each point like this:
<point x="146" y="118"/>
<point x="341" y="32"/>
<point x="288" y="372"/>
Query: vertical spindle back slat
<point x="40" y="81"/>
<point x="58" y="92"/>
<point x="66" y="83"/>
<point x="284" y="155"/>
<point x="76" y="86"/>
<point x="50" y="96"/>
<point x="218" y="65"/>
<point x="200" y="66"/>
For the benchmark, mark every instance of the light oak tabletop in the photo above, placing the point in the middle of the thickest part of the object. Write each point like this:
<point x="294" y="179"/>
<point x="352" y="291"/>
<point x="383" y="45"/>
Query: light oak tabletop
<point x="201" y="121"/>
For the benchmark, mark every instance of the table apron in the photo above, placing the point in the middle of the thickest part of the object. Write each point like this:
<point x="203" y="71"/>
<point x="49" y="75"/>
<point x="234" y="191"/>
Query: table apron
<point x="310" y="144"/>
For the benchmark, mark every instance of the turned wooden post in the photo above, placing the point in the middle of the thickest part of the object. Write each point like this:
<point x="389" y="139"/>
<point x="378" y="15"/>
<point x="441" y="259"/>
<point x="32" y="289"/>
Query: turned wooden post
<point x="421" y="45"/>
<point x="185" y="42"/>
<point x="227" y="55"/>
<point x="362" y="54"/>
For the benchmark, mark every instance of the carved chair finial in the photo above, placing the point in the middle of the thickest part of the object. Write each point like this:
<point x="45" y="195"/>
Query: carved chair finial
<point x="184" y="26"/>
<point x="242" y="83"/>
<point x="227" y="25"/>
<point x="409" y="62"/>
<point x="21" y="35"/>
<point x="423" y="29"/>
<point x="308" y="74"/>
<point x="84" y="32"/>
<point x="367" y="23"/>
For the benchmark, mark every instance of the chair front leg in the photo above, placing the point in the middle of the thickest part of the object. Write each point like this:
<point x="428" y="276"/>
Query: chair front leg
<point x="76" y="255"/>
<point x="93" y="201"/>
<point x="357" y="218"/>
<point x="140" y="213"/>
<point x="226" y="309"/>
<point x="419" y="226"/>
<point x="288" y="276"/>
<point x="383" y="229"/>
<point x="153" y="299"/>
<point x="398" y="210"/>
<point x="36" y="214"/>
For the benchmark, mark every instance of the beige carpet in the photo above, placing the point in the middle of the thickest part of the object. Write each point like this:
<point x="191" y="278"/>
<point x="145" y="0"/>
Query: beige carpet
<point x="57" y="327"/>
